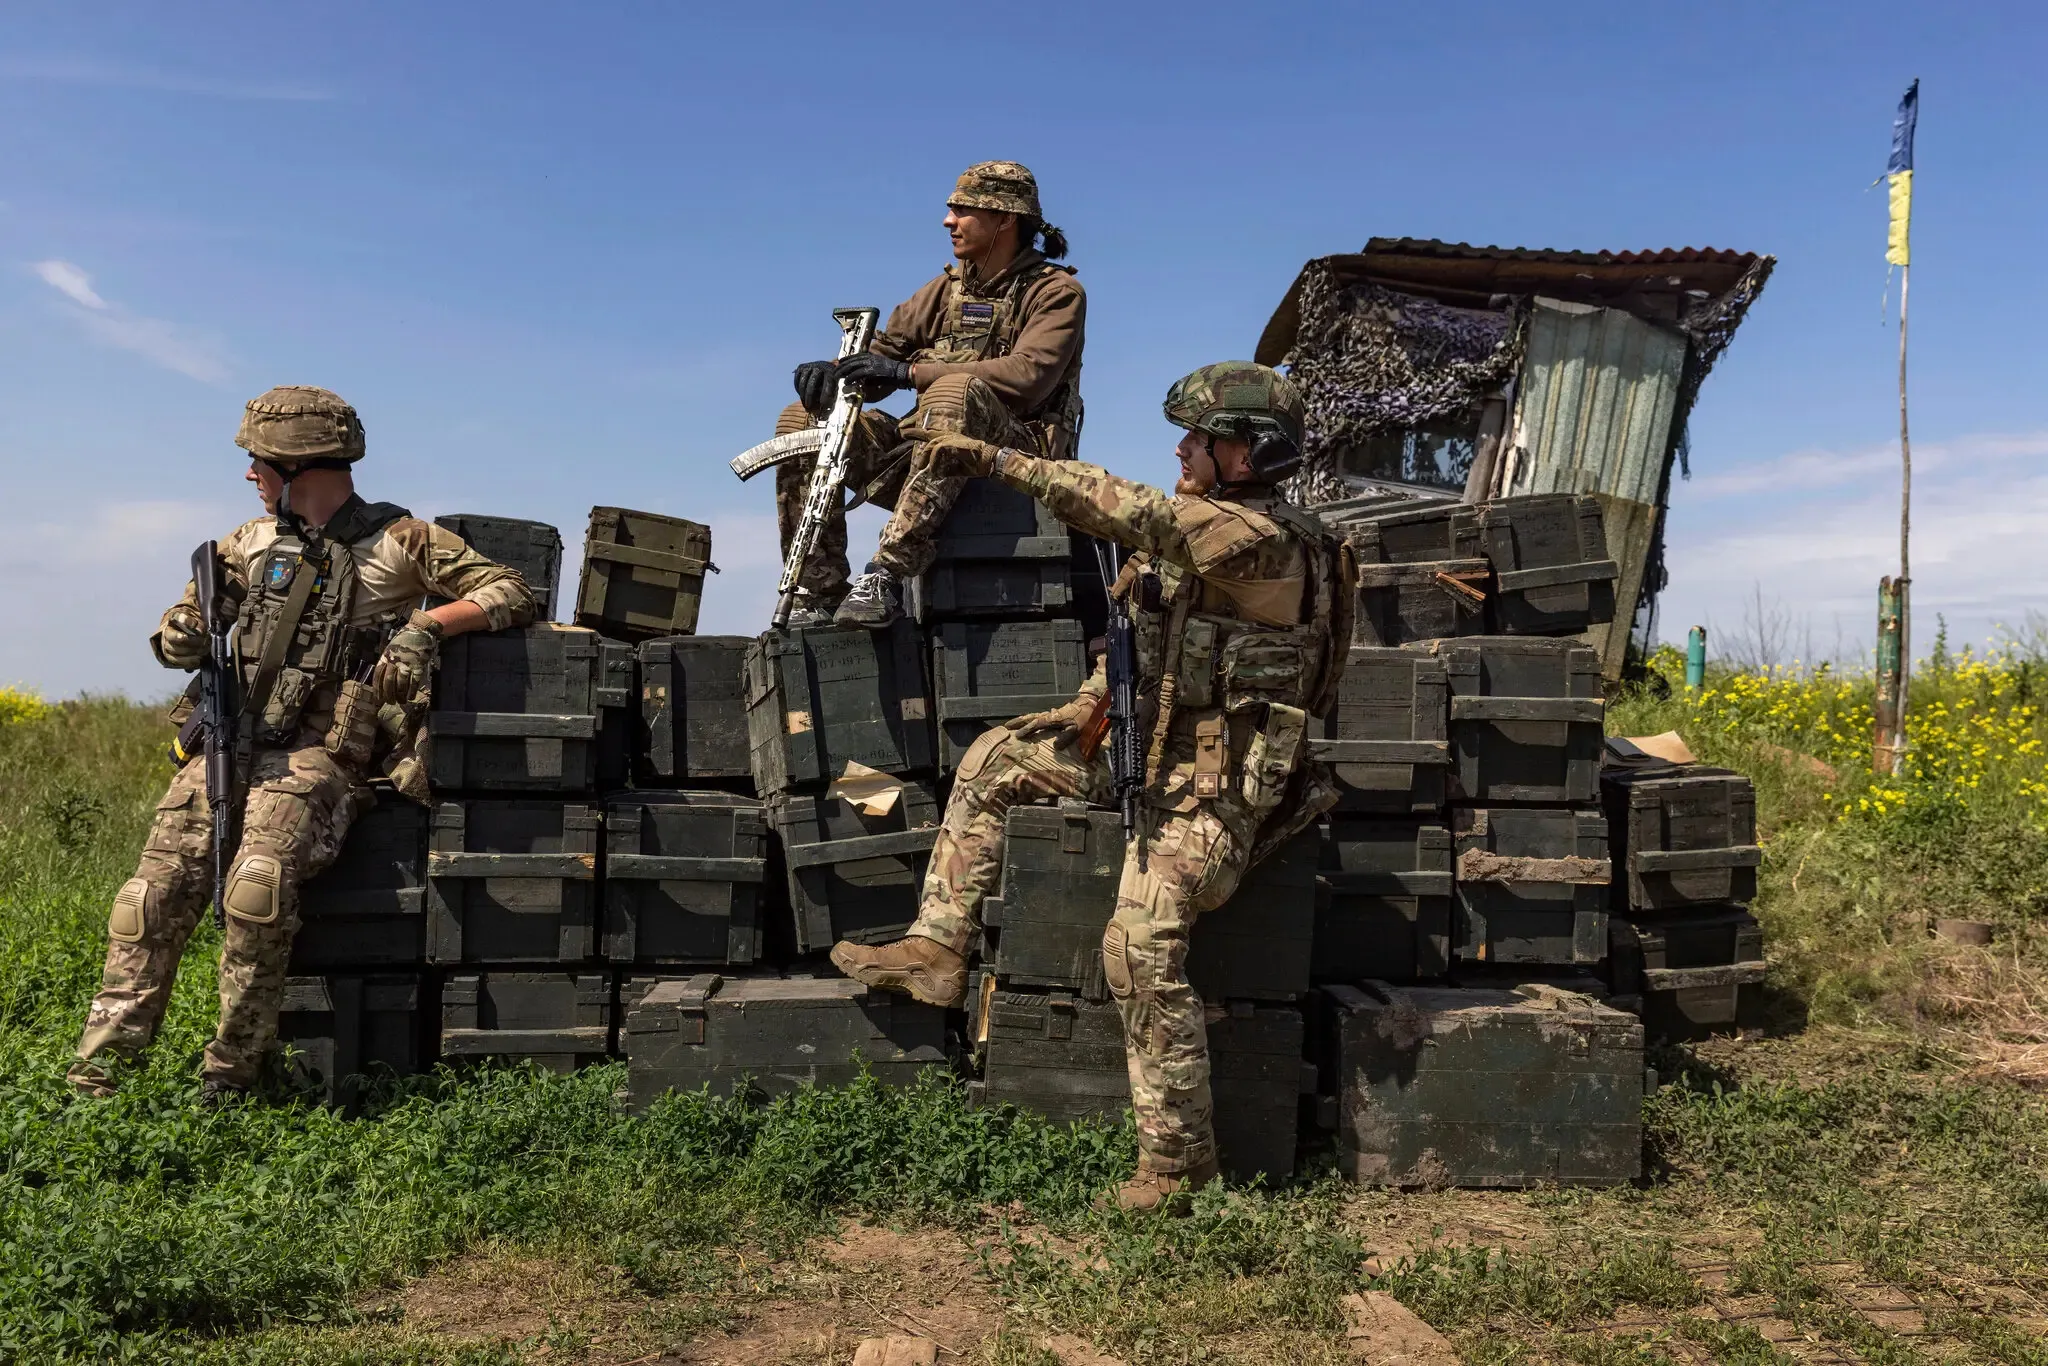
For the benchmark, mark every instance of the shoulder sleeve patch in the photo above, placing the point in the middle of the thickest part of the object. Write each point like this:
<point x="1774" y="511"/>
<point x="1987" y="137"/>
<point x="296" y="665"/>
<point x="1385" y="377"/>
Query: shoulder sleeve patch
<point x="1215" y="532"/>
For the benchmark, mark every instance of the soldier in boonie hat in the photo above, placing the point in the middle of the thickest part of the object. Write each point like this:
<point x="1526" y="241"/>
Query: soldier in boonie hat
<point x="991" y="348"/>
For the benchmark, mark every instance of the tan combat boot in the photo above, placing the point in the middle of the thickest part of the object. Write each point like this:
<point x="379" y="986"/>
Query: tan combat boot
<point x="1150" y="1192"/>
<point x="926" y="969"/>
<point x="93" y="1078"/>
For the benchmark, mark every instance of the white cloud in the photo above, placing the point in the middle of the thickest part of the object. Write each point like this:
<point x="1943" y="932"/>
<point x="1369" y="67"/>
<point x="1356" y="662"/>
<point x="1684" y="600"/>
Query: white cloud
<point x="162" y="343"/>
<point x="1976" y="546"/>
<point x="77" y="71"/>
<point x="1813" y="470"/>
<point x="69" y="280"/>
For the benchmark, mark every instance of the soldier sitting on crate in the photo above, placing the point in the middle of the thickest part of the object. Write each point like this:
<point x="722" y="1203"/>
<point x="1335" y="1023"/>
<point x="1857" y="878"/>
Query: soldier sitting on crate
<point x="335" y="661"/>
<point x="992" y="347"/>
<point x="1242" y="613"/>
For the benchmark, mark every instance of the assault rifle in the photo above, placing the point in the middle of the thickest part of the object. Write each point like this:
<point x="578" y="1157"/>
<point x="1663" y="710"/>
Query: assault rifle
<point x="218" y="717"/>
<point x="829" y="442"/>
<point x="1115" y="717"/>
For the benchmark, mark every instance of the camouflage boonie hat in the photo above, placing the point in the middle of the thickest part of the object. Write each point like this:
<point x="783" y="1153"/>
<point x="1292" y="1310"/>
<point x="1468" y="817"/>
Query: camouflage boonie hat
<point x="1235" y="398"/>
<point x="1004" y="186"/>
<point x="297" y="422"/>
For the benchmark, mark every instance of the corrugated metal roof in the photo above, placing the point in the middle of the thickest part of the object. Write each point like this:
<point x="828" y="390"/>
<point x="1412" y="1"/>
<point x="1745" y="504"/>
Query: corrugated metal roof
<point x="1424" y="246"/>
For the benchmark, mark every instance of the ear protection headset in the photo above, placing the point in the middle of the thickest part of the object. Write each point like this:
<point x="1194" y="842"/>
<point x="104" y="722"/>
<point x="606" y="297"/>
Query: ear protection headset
<point x="1274" y="456"/>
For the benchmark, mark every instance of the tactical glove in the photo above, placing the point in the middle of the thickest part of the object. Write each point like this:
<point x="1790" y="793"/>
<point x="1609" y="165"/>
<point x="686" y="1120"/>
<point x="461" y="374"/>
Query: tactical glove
<point x="878" y="376"/>
<point x="1061" y="723"/>
<point x="181" y="641"/>
<point x="815" y="387"/>
<point x="407" y="664"/>
<point x="952" y="453"/>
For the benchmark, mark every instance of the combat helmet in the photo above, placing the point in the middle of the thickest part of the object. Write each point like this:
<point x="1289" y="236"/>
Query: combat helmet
<point x="1244" y="401"/>
<point x="296" y="426"/>
<point x="1004" y="186"/>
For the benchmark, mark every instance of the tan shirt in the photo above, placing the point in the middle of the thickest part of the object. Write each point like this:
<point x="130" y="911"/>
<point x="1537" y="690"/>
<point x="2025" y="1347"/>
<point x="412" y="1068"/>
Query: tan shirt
<point x="1053" y="313"/>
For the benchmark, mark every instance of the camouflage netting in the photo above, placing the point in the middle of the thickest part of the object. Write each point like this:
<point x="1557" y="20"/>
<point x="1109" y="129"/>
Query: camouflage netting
<point x="1372" y="360"/>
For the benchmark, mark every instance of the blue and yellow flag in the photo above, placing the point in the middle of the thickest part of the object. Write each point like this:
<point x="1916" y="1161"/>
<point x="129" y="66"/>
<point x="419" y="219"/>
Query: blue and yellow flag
<point x="1899" y="173"/>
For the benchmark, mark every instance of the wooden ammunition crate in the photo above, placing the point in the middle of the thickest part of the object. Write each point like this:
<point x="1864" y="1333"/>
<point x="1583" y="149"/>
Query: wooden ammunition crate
<point x="557" y="1020"/>
<point x="1387" y="740"/>
<point x="1442" y="1086"/>
<point x="819" y="697"/>
<point x="1257" y="1079"/>
<point x="538" y="709"/>
<point x="986" y="673"/>
<point x="1256" y="946"/>
<point x="1684" y="836"/>
<point x="1410" y="602"/>
<point x="368" y="908"/>
<point x="1530" y="884"/>
<point x="1526" y="719"/>
<point x="532" y="548"/>
<point x="512" y="882"/>
<point x="1690" y="974"/>
<point x="773" y="1034"/>
<point x="1386" y="908"/>
<point x="346" y="1028"/>
<point x="1417" y="535"/>
<point x="693" y="711"/>
<point x="1061" y="866"/>
<point x="643" y="574"/>
<point x="1061" y="1055"/>
<point x="999" y="553"/>
<point x="684" y="877"/>
<point x="1056" y="1053"/>
<point x="1552" y="573"/>
<point x="851" y="875"/>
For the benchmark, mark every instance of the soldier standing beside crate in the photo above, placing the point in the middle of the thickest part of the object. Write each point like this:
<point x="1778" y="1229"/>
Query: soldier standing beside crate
<point x="336" y="660"/>
<point x="1242" y="611"/>
<point x="992" y="348"/>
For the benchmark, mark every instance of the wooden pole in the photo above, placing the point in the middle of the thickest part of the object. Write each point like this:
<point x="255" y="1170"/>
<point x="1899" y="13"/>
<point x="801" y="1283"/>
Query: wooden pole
<point x="1905" y="583"/>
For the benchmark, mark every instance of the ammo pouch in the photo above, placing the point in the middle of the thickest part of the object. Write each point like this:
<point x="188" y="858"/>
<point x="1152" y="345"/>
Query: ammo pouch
<point x="353" y="736"/>
<point x="1271" y="757"/>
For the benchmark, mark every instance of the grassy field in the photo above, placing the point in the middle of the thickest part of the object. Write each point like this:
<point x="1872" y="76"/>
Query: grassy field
<point x="1869" y="1183"/>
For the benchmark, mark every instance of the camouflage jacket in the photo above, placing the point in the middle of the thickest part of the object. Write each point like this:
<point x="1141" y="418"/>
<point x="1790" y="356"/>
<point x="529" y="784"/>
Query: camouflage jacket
<point x="1241" y="630"/>
<point x="396" y="560"/>
<point x="1020" y="332"/>
<point x="396" y="567"/>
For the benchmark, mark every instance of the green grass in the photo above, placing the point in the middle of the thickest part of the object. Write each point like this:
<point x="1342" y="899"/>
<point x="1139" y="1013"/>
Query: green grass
<point x="143" y="1229"/>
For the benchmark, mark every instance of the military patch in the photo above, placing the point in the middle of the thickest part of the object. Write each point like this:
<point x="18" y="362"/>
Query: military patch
<point x="280" y="573"/>
<point x="983" y="314"/>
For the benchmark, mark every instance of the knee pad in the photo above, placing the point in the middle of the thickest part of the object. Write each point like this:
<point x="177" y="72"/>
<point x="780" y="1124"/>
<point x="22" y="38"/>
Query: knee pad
<point x="1117" y="968"/>
<point x="134" y="908"/>
<point x="944" y="404"/>
<point x="255" y="888"/>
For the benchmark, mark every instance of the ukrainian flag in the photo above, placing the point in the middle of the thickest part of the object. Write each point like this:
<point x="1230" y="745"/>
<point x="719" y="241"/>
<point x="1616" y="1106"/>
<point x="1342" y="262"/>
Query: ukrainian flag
<point x="1899" y="173"/>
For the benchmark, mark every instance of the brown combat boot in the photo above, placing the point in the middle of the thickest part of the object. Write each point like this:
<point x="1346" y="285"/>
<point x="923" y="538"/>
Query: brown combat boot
<point x="926" y="969"/>
<point x="1168" y="1193"/>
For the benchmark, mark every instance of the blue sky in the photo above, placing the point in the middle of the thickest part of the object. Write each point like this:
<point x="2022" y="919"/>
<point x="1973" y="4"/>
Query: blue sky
<point x="560" y="256"/>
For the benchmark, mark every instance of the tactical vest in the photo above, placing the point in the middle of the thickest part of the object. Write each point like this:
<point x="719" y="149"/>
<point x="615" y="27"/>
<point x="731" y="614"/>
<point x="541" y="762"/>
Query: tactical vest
<point x="979" y="326"/>
<point x="294" y="639"/>
<point x="1203" y="666"/>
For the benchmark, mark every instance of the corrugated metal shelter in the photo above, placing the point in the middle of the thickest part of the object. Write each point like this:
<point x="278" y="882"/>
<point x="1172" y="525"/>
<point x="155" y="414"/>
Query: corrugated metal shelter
<point x="1482" y="372"/>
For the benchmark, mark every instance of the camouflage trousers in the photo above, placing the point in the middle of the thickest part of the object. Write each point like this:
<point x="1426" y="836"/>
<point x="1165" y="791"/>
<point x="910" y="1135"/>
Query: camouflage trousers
<point x="918" y="498"/>
<point x="298" y="811"/>
<point x="1183" y="864"/>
